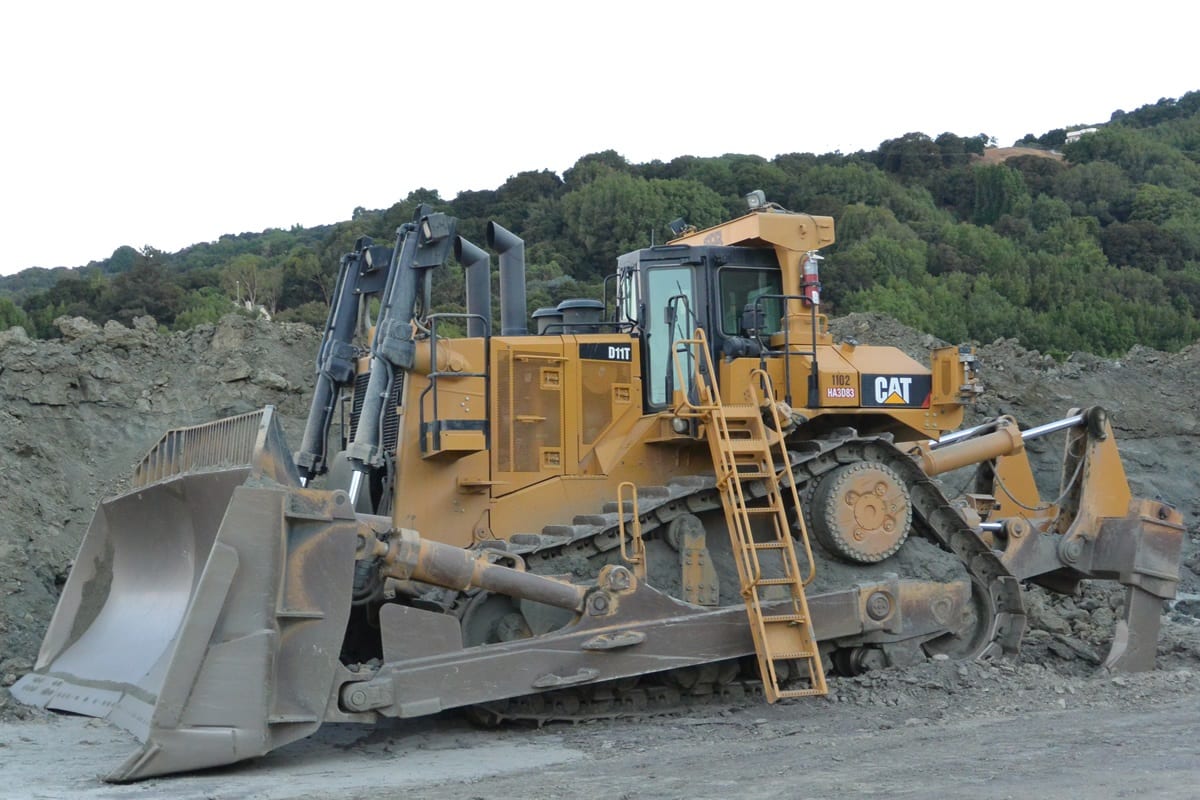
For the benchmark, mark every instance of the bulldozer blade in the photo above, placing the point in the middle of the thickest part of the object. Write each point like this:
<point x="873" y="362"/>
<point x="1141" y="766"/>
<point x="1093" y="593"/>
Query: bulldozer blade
<point x="207" y="605"/>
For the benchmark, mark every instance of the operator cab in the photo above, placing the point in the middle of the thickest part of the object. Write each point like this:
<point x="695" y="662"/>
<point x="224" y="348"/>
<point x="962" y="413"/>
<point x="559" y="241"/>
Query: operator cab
<point x="666" y="292"/>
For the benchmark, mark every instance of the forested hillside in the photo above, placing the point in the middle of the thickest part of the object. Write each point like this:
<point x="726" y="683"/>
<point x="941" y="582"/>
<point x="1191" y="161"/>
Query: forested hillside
<point x="1091" y="244"/>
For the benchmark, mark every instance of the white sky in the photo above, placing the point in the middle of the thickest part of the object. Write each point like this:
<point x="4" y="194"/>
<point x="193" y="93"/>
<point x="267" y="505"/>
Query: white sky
<point x="173" y="122"/>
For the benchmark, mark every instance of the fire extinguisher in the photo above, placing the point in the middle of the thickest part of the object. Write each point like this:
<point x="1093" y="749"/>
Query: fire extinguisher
<point x="810" y="286"/>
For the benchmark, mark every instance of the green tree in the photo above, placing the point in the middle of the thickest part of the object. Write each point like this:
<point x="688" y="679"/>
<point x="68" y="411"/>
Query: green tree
<point x="12" y="315"/>
<point x="304" y="279"/>
<point x="914" y="156"/>
<point x="1158" y="204"/>
<point x="147" y="288"/>
<point x="1142" y="244"/>
<point x="1038" y="172"/>
<point x="122" y="259"/>
<point x="595" y="165"/>
<point x="314" y="314"/>
<point x="1100" y="189"/>
<point x="250" y="282"/>
<point x="203" y="306"/>
<point x="999" y="190"/>
<point x="617" y="212"/>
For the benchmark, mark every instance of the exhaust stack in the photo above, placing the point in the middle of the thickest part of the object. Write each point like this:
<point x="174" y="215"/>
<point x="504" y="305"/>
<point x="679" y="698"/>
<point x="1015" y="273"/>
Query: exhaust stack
<point x="512" y="279"/>
<point x="477" y="265"/>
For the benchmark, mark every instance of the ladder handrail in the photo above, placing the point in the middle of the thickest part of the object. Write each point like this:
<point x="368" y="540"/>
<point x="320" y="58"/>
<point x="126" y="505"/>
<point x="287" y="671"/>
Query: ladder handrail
<point x="769" y="396"/>
<point x="636" y="558"/>
<point x="749" y="564"/>
<point x="777" y="637"/>
<point x="434" y="374"/>
<point x="685" y="407"/>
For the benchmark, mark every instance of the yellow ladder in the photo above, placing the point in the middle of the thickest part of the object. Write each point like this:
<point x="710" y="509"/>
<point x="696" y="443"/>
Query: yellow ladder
<point x="742" y="451"/>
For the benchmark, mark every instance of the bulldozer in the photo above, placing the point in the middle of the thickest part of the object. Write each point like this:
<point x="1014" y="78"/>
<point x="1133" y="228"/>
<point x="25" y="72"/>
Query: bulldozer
<point x="682" y="492"/>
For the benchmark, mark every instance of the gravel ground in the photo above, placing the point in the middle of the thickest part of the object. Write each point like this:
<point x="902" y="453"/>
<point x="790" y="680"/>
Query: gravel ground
<point x="940" y="729"/>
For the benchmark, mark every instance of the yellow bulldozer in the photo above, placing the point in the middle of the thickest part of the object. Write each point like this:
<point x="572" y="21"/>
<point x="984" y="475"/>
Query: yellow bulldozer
<point x="685" y="491"/>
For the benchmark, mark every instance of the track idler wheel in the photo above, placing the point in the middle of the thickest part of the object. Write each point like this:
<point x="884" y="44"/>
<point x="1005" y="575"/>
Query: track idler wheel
<point x="861" y="512"/>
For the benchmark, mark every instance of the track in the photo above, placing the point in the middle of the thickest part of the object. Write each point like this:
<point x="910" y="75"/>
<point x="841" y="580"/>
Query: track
<point x="588" y="542"/>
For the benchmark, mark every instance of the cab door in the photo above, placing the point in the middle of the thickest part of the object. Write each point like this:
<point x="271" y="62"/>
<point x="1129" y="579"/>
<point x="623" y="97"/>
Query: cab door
<point x="671" y="315"/>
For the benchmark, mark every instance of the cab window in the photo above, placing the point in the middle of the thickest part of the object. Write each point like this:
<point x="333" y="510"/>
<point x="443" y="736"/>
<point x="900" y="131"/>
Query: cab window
<point x="664" y="288"/>
<point x="742" y="286"/>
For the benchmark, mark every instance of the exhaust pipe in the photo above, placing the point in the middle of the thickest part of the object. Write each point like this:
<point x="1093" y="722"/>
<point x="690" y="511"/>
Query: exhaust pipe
<point x="512" y="279"/>
<point x="477" y="265"/>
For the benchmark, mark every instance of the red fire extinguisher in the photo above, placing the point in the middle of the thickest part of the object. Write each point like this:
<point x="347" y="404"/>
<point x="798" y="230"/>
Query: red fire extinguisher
<point x="810" y="286"/>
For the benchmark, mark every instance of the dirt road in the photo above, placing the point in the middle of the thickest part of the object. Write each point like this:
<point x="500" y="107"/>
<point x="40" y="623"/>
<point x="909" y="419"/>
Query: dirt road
<point x="940" y="730"/>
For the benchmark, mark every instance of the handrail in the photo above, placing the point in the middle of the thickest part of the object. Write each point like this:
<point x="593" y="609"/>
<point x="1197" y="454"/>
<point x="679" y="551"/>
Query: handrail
<point x="434" y="374"/>
<point x="705" y="389"/>
<point x="769" y="395"/>
<point x="814" y="395"/>
<point x="636" y="559"/>
<point x="709" y="403"/>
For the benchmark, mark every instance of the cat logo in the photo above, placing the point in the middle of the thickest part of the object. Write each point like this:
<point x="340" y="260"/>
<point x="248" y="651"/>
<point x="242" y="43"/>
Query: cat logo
<point x="893" y="391"/>
<point x="896" y="390"/>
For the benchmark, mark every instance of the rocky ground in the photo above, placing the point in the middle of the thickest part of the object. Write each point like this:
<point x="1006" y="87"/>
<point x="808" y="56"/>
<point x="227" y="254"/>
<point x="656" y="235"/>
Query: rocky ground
<point x="77" y="413"/>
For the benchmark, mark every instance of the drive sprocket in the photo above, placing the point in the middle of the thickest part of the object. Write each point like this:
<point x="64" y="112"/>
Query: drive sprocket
<point x="861" y="512"/>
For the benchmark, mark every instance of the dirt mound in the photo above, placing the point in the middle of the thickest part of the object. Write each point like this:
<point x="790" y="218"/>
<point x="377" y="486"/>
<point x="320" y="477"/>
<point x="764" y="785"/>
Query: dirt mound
<point x="1151" y="397"/>
<point x="77" y="413"/>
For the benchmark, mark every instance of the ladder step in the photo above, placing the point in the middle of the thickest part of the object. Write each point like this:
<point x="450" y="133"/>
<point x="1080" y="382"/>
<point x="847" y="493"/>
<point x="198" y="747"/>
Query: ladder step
<point x="776" y="581"/>
<point x="789" y="693"/>
<point x="783" y="618"/>
<point x="770" y="545"/>
<point x="753" y="475"/>
<point x="763" y="510"/>
<point x="741" y="476"/>
<point x="748" y="446"/>
<point x="793" y="656"/>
